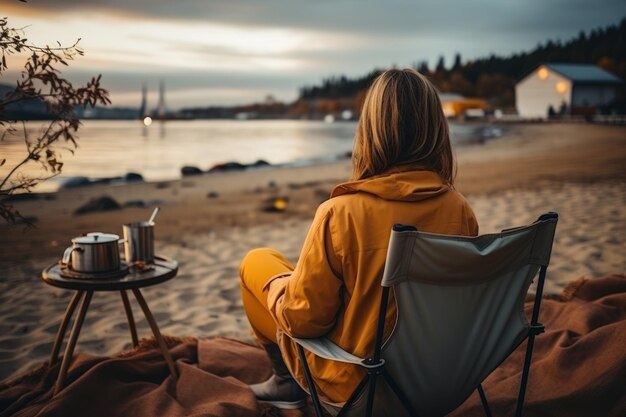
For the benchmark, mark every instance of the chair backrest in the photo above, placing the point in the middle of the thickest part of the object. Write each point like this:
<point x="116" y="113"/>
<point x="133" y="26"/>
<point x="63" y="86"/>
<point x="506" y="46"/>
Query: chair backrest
<point x="460" y="307"/>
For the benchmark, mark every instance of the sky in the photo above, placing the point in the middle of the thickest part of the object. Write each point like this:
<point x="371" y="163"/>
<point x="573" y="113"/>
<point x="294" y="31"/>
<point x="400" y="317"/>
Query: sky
<point x="226" y="52"/>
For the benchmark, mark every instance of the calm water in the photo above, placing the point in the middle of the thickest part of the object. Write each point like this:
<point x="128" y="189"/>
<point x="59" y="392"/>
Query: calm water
<point x="113" y="148"/>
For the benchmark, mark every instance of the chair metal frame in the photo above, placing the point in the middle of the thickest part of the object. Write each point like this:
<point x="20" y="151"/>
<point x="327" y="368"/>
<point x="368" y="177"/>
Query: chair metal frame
<point x="375" y="365"/>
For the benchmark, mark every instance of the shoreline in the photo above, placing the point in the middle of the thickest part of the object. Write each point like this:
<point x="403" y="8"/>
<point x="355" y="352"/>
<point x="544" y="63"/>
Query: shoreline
<point x="577" y="170"/>
<point x="87" y="167"/>
<point x="529" y="159"/>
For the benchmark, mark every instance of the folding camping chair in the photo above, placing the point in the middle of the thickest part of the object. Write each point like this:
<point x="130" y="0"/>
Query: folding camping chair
<point x="460" y="313"/>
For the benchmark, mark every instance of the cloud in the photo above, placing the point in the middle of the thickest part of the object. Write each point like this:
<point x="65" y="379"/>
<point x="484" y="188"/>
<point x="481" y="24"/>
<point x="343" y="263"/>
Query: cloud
<point x="381" y="17"/>
<point x="281" y="45"/>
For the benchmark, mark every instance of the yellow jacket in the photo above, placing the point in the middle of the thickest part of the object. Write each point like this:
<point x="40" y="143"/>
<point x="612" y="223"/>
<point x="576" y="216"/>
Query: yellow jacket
<point x="335" y="288"/>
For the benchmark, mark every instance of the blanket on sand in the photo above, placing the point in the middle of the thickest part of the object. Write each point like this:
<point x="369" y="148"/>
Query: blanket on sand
<point x="578" y="369"/>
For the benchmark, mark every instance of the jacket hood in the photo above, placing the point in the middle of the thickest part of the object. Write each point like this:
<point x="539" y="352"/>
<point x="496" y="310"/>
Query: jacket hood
<point x="399" y="184"/>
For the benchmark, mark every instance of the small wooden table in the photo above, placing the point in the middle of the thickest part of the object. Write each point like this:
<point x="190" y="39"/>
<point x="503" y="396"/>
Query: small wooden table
<point x="162" y="270"/>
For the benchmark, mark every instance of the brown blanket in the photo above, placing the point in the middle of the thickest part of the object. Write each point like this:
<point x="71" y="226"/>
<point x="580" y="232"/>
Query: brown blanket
<point x="578" y="369"/>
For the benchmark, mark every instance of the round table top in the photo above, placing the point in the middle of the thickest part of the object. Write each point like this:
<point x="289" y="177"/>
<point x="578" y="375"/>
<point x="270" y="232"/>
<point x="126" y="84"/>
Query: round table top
<point x="162" y="270"/>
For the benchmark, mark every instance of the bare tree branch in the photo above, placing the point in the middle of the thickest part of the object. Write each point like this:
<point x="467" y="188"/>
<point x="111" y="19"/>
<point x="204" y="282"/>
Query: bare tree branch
<point x="41" y="81"/>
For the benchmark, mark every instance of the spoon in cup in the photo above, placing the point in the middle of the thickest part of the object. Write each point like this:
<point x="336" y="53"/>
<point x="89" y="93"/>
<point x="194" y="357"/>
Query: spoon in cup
<point x="154" y="213"/>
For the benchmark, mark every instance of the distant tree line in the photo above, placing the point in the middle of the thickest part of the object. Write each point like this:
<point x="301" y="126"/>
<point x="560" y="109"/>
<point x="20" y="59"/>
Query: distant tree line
<point x="269" y="109"/>
<point x="493" y="78"/>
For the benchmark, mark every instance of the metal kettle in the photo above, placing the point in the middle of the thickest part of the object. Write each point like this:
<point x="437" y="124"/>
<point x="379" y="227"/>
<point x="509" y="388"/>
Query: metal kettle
<point x="93" y="253"/>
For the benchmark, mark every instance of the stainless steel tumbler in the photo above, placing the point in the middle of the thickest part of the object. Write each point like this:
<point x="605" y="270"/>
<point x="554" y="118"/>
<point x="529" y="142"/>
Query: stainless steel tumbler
<point x="139" y="242"/>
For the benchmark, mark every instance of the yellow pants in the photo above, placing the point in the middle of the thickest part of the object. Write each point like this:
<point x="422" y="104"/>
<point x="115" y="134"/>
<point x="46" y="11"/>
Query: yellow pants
<point x="258" y="266"/>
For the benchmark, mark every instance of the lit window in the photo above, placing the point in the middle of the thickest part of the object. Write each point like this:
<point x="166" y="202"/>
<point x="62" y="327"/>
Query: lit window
<point x="561" y="87"/>
<point x="543" y="73"/>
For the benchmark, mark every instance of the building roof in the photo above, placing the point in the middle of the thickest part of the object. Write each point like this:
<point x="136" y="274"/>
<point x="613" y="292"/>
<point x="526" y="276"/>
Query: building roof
<point x="584" y="73"/>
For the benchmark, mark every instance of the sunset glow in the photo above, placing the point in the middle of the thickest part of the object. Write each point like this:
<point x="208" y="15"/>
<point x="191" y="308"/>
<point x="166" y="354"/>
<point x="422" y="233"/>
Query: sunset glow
<point x="294" y="149"/>
<point x="113" y="43"/>
<point x="236" y="52"/>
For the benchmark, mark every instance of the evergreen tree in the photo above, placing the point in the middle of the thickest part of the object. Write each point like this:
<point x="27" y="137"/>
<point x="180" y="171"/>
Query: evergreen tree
<point x="441" y="65"/>
<point x="457" y="62"/>
<point x="423" y="67"/>
<point x="494" y="77"/>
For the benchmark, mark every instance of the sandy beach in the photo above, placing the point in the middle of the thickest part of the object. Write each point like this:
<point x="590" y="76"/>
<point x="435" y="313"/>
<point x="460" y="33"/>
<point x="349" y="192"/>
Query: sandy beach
<point x="209" y="222"/>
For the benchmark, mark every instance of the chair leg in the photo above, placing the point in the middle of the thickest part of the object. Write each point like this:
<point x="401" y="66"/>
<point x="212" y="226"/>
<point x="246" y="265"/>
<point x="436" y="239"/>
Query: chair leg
<point x="370" y="395"/>
<point x="129" y="316"/>
<point x="156" y="332"/>
<point x="69" y="311"/>
<point x="71" y="343"/>
<point x="309" y="382"/>
<point x="483" y="399"/>
<point x="535" y="328"/>
<point x="525" y="372"/>
<point x="399" y="393"/>
<point x="355" y="394"/>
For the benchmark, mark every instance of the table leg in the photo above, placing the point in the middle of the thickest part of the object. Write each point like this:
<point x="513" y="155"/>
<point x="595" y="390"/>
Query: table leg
<point x="69" y="311"/>
<point x="71" y="343"/>
<point x="129" y="316"/>
<point x="156" y="332"/>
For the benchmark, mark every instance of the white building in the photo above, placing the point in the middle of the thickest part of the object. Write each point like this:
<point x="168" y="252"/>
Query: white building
<point x="564" y="86"/>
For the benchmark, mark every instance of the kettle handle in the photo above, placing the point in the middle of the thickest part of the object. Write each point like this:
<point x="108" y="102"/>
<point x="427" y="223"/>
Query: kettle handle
<point x="65" y="261"/>
<point x="67" y="255"/>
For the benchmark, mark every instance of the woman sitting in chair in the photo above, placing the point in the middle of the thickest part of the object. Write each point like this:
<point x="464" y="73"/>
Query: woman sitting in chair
<point x="403" y="172"/>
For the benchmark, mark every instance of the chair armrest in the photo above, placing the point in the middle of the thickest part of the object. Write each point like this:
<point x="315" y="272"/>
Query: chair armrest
<point x="326" y="349"/>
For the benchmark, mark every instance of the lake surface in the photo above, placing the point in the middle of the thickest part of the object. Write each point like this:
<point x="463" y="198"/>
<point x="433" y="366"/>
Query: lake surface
<point x="114" y="148"/>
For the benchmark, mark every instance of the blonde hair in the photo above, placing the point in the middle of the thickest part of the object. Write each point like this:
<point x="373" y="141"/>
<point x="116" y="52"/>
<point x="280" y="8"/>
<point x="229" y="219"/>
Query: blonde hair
<point x="402" y="122"/>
